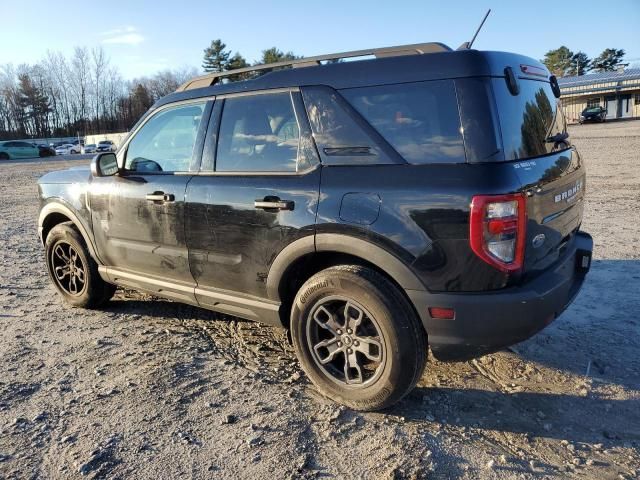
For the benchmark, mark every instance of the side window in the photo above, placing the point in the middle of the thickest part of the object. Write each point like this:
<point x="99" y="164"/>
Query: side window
<point x="338" y="131"/>
<point x="420" y="120"/>
<point x="165" y="142"/>
<point x="258" y="133"/>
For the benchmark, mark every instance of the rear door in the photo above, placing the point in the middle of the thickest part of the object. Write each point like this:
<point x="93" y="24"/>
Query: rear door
<point x="549" y="169"/>
<point x="256" y="192"/>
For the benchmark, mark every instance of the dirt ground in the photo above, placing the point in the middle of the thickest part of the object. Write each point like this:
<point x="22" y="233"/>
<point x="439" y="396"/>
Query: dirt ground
<point x="153" y="389"/>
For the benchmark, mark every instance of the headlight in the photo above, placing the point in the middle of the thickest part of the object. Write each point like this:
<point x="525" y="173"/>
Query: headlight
<point x="582" y="117"/>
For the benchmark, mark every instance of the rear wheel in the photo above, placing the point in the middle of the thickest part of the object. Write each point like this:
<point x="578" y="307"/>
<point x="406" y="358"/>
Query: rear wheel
<point x="4" y="156"/>
<point x="72" y="270"/>
<point x="357" y="337"/>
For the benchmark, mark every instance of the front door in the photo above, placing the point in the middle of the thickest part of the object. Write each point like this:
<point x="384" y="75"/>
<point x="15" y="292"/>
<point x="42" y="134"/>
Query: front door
<point x="261" y="195"/>
<point x="625" y="106"/>
<point x="138" y="215"/>
<point x="611" y="104"/>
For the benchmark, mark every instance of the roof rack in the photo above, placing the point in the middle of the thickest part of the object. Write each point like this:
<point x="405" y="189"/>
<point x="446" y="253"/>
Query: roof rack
<point x="415" y="49"/>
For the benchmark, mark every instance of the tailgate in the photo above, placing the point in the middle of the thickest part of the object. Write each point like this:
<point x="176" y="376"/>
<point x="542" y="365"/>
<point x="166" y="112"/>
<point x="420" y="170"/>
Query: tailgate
<point x="555" y="187"/>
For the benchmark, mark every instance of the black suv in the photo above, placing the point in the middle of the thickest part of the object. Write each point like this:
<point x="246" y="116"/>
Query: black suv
<point x="372" y="207"/>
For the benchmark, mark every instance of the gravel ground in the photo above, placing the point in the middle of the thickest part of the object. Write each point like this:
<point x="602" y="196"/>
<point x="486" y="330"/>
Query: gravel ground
<point x="148" y="389"/>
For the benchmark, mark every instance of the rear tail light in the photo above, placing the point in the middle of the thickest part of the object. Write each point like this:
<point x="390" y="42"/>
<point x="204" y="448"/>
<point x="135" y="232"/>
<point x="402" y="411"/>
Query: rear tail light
<point x="497" y="230"/>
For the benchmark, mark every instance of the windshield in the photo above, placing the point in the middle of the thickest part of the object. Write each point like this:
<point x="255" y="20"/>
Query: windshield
<point x="592" y="110"/>
<point x="532" y="122"/>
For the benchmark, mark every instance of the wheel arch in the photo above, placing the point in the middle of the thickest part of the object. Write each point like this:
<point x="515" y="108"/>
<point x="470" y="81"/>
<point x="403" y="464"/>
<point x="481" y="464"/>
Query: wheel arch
<point x="307" y="256"/>
<point x="53" y="214"/>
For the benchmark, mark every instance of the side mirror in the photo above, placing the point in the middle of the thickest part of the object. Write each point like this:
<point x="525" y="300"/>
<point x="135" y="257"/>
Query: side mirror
<point x="104" y="165"/>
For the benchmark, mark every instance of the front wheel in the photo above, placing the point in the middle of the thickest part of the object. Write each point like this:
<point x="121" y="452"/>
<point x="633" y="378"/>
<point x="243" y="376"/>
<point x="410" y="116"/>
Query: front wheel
<point x="72" y="270"/>
<point x="357" y="337"/>
<point x="4" y="156"/>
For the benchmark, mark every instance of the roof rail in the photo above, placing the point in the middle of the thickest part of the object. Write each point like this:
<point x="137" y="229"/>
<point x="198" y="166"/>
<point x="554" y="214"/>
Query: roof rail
<point x="210" y="79"/>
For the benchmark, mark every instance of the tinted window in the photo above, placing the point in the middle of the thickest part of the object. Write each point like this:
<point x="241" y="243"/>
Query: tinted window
<point x="339" y="132"/>
<point x="420" y="120"/>
<point x="165" y="143"/>
<point x="258" y="133"/>
<point x="532" y="122"/>
<point x="479" y="118"/>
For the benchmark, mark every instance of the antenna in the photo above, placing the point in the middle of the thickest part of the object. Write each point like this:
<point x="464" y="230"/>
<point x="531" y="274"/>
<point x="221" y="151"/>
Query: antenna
<point x="467" y="45"/>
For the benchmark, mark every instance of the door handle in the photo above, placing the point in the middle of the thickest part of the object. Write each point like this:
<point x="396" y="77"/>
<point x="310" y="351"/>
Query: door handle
<point x="270" y="203"/>
<point x="160" y="197"/>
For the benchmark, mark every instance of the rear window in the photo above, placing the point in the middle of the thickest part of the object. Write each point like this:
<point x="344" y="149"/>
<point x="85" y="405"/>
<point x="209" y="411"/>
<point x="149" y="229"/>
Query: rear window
<point x="420" y="120"/>
<point x="532" y="122"/>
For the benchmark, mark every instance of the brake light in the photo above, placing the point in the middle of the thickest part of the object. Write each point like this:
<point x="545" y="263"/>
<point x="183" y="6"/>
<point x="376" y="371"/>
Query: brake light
<point x="497" y="229"/>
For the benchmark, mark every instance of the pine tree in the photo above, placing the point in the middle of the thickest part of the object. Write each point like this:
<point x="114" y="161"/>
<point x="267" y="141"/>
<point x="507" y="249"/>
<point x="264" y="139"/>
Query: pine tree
<point x="273" y="55"/>
<point x="235" y="62"/>
<point x="216" y="57"/>
<point x="609" y="60"/>
<point x="558" y="61"/>
<point x="34" y="103"/>
<point x="580" y="63"/>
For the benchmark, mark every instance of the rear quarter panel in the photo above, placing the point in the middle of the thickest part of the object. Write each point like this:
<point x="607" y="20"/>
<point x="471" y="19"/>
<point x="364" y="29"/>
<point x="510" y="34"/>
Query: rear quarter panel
<point x="423" y="216"/>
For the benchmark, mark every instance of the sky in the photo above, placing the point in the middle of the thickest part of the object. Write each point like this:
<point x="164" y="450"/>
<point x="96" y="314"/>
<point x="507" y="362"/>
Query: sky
<point x="143" y="37"/>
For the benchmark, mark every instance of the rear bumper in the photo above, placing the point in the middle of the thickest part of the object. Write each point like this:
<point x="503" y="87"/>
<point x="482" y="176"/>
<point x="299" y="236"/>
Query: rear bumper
<point x="486" y="322"/>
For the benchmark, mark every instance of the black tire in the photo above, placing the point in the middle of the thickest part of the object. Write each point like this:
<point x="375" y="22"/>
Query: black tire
<point x="66" y="256"/>
<point x="4" y="156"/>
<point x="383" y="375"/>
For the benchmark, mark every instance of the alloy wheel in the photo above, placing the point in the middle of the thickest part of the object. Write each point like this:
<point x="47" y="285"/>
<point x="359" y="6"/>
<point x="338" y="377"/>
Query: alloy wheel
<point x="68" y="268"/>
<point x="345" y="342"/>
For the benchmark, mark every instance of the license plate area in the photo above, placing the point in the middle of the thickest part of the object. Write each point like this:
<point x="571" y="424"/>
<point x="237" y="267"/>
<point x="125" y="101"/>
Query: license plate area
<point x="584" y="253"/>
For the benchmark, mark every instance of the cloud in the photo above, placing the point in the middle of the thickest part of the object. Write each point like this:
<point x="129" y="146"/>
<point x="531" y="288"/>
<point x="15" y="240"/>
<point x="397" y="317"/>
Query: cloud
<point x="122" y="36"/>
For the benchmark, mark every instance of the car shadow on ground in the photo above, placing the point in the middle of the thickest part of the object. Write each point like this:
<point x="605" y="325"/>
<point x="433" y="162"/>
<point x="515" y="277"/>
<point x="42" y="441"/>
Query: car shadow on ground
<point x="597" y="335"/>
<point x="547" y="415"/>
<point x="567" y="346"/>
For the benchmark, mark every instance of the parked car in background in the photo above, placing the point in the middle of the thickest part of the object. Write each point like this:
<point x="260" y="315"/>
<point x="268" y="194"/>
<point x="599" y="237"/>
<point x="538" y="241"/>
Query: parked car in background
<point x="67" y="149"/>
<point x="17" y="149"/>
<point x="106" y="146"/>
<point x="45" y="150"/>
<point x="593" y="114"/>
<point x="91" y="148"/>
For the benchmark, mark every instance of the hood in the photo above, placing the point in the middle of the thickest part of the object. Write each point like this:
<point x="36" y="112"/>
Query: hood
<point x="72" y="175"/>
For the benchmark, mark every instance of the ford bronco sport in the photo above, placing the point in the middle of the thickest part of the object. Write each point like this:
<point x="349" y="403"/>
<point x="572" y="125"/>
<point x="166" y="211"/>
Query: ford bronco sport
<point x="373" y="207"/>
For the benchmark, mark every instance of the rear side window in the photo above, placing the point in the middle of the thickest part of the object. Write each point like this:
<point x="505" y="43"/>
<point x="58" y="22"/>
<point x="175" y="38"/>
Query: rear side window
<point x="420" y="120"/>
<point x="340" y="133"/>
<point x="532" y="122"/>
<point x="258" y="133"/>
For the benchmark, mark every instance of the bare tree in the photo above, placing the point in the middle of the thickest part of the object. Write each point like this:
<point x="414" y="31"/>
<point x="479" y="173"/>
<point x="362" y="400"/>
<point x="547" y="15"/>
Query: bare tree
<point x="80" y="78"/>
<point x="100" y="63"/>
